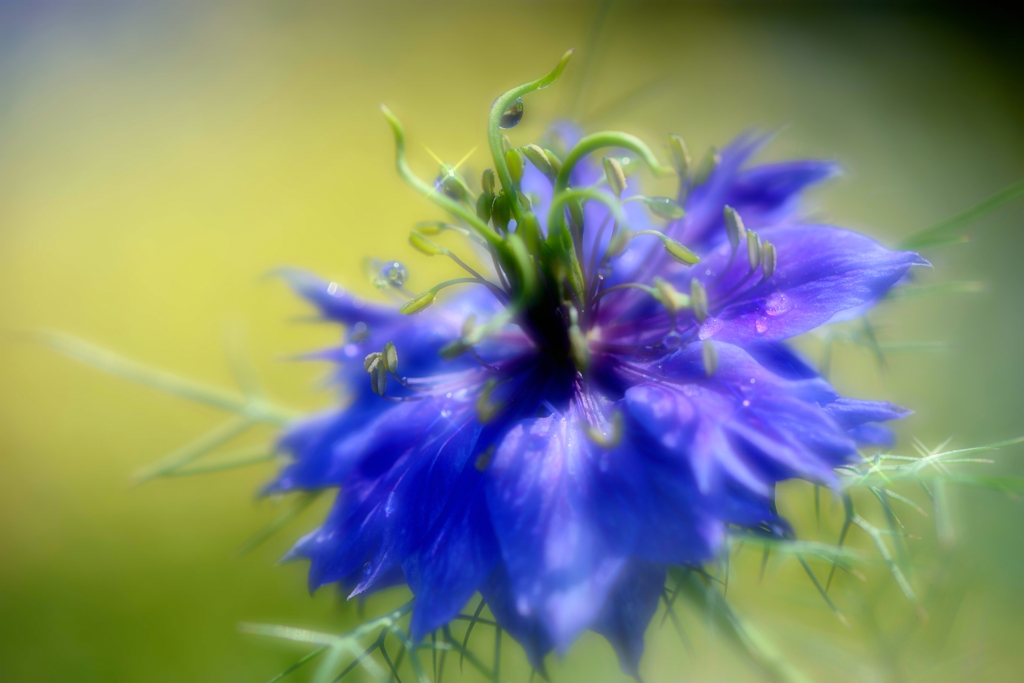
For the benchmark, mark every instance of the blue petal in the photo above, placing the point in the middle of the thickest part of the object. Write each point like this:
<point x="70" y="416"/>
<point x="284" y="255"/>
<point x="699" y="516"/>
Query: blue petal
<point x="763" y="195"/>
<point x="562" y="512"/>
<point x="742" y="423"/>
<point x="629" y="609"/>
<point x="452" y="564"/>
<point x="821" y="271"/>
<point x="396" y="492"/>
<point x="850" y="412"/>
<point x="527" y="630"/>
<point x="873" y="434"/>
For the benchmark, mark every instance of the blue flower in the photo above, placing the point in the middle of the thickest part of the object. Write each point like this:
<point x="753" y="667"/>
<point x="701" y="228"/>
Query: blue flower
<point x="608" y="402"/>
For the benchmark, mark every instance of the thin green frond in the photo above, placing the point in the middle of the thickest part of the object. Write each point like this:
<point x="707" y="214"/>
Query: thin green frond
<point x="292" y="511"/>
<point x="161" y="380"/>
<point x="941" y="230"/>
<point x="194" y="450"/>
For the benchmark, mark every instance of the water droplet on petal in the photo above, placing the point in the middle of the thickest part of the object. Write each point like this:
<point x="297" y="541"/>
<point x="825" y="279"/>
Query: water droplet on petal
<point x="746" y="403"/>
<point x="646" y="352"/>
<point x="448" y="395"/>
<point x="709" y="328"/>
<point x="672" y="340"/>
<point x="761" y="324"/>
<point x="777" y="304"/>
<point x="395" y="273"/>
<point x="513" y="115"/>
<point x="332" y="288"/>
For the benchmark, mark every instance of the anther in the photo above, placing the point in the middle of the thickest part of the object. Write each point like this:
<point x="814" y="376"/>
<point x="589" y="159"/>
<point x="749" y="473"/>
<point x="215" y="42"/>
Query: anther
<point x="699" y="300"/>
<point x="615" y="175"/>
<point x="734" y="227"/>
<point x="709" y="355"/>
<point x="539" y="159"/>
<point x="753" y="249"/>
<point x="616" y="430"/>
<point x="680" y="155"/>
<point x="768" y="259"/>
<point x="707" y="166"/>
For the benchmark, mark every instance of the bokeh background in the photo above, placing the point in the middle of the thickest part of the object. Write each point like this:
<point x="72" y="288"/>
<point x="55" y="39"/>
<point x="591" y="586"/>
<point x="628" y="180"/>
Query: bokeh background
<point x="158" y="159"/>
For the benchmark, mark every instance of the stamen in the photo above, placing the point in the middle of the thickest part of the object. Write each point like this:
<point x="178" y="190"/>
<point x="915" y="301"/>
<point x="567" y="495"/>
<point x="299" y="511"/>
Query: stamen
<point x="709" y="355"/>
<point x="734" y="227"/>
<point x="616" y="430"/>
<point x="674" y="248"/>
<point x="615" y="175"/>
<point x="753" y="249"/>
<point x="699" y="300"/>
<point x="768" y="260"/>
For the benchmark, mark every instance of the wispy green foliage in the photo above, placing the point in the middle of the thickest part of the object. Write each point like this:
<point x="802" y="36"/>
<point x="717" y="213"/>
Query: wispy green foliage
<point x="944" y="232"/>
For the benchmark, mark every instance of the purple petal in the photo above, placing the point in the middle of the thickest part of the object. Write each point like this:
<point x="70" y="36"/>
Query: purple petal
<point x="821" y="271"/>
<point x="450" y="567"/>
<point x="561" y="512"/>
<point x="629" y="609"/>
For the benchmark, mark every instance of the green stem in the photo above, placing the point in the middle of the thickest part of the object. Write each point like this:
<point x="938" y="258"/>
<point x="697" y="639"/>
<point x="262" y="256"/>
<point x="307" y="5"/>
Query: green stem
<point x="494" y="132"/>
<point x="592" y="143"/>
<point x="453" y="207"/>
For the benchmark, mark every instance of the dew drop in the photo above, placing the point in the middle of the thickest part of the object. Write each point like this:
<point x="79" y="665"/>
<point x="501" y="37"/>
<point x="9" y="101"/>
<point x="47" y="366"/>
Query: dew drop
<point x="709" y="328"/>
<point x="446" y="413"/>
<point x="511" y="117"/>
<point x="753" y="381"/>
<point x="746" y="403"/>
<point x="395" y="273"/>
<point x="448" y="395"/>
<point x="646" y="352"/>
<point x="350" y="350"/>
<point x="761" y="324"/>
<point x="777" y="304"/>
<point x="672" y="340"/>
<point x="332" y="288"/>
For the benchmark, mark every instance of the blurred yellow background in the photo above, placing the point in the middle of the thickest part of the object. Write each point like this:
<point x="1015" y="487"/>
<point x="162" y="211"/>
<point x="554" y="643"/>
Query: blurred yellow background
<point x="158" y="159"/>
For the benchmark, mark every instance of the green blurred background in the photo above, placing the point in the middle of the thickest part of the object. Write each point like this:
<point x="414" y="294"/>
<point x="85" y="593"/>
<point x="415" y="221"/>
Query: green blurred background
<point x="157" y="159"/>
